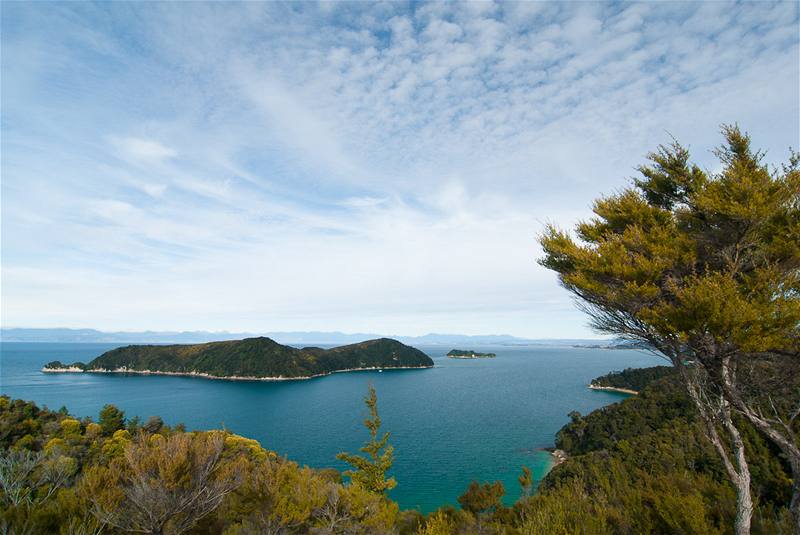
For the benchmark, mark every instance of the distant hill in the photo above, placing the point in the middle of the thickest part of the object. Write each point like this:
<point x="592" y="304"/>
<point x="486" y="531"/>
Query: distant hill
<point x="95" y="336"/>
<point x="251" y="358"/>
<point x="295" y="338"/>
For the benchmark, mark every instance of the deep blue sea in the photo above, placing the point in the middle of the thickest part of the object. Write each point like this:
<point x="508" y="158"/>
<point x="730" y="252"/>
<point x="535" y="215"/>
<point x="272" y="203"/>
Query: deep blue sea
<point x="462" y="420"/>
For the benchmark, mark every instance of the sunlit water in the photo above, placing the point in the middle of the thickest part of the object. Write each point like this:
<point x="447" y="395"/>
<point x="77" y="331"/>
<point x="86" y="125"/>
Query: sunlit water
<point x="459" y="421"/>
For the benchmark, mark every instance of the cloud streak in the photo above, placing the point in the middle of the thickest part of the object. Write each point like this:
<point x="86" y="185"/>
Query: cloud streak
<point x="360" y="167"/>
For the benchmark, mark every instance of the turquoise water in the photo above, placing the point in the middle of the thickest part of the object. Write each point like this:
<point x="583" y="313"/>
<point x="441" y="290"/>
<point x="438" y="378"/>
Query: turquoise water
<point x="459" y="421"/>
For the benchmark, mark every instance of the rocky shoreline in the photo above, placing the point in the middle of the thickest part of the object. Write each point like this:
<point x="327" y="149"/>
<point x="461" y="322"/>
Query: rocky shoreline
<point x="613" y="389"/>
<point x="559" y="456"/>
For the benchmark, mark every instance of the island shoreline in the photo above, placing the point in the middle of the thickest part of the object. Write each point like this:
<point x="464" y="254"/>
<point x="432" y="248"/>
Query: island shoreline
<point x="203" y="375"/>
<point x="614" y="389"/>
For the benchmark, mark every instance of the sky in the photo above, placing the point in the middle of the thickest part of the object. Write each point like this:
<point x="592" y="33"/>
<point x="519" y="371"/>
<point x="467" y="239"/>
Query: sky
<point x="361" y="167"/>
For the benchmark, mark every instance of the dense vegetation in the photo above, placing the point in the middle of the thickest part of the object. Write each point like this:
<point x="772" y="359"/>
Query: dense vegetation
<point x="705" y="269"/>
<point x="59" y="474"/>
<point x="469" y="354"/>
<point x="256" y="357"/>
<point x="633" y="378"/>
<point x="639" y="466"/>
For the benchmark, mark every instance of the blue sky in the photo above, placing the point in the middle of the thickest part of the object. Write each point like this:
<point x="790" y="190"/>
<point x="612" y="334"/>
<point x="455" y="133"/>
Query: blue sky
<point x="355" y="166"/>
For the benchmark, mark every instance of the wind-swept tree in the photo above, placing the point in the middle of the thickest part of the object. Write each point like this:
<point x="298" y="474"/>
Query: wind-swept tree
<point x="370" y="471"/>
<point x="705" y="268"/>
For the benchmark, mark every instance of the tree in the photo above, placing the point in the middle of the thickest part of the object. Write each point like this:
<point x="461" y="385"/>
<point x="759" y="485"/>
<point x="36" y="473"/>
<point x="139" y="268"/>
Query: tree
<point x="482" y="499"/>
<point x="162" y="485"/>
<point x="705" y="269"/>
<point x="111" y="419"/>
<point x="438" y="523"/>
<point x="133" y="424"/>
<point x="370" y="471"/>
<point x="30" y="478"/>
<point x="526" y="482"/>
<point x="153" y="425"/>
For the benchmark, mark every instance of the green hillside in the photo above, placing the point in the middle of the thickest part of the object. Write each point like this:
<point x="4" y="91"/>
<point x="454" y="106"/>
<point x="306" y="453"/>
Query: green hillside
<point x="633" y="378"/>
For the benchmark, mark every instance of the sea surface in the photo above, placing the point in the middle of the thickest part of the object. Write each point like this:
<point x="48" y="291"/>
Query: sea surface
<point x="460" y="421"/>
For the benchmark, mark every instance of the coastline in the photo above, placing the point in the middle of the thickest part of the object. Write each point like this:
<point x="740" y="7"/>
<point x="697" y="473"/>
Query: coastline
<point x="613" y="389"/>
<point x="203" y="375"/>
<point x="557" y="457"/>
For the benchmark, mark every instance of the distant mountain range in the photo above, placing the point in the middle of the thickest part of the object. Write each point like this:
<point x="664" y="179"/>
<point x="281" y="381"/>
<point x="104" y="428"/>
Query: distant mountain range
<point x="299" y="338"/>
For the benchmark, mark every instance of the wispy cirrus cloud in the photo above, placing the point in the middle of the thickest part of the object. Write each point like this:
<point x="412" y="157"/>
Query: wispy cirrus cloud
<point x="140" y="150"/>
<point x="352" y="166"/>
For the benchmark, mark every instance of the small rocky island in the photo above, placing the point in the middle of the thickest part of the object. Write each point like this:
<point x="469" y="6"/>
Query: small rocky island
<point x="250" y="359"/>
<point x="462" y="354"/>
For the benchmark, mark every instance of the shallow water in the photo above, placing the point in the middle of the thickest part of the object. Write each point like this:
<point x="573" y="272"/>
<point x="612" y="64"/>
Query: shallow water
<point x="461" y="420"/>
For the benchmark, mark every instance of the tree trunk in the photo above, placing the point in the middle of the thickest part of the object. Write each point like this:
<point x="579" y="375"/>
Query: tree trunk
<point x="744" y="500"/>
<point x="784" y="441"/>
<point x="713" y="411"/>
<point x="794" y="505"/>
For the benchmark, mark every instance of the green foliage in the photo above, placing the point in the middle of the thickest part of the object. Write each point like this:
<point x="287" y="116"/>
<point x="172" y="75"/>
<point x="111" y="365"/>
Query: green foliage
<point x="644" y="466"/>
<point x="70" y="427"/>
<point x="161" y="484"/>
<point x="704" y="269"/>
<point x="438" y="523"/>
<point x="633" y="378"/>
<point x="692" y="260"/>
<point x="665" y="404"/>
<point x="370" y="471"/>
<point x="461" y="353"/>
<point x="258" y="357"/>
<point x="167" y="482"/>
<point x="133" y="424"/>
<point x="483" y="498"/>
<point x="115" y="446"/>
<point x="279" y="497"/>
<point x="111" y="419"/>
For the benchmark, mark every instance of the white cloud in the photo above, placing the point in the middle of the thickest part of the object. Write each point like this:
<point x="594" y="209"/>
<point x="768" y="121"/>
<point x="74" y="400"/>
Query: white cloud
<point x="363" y="202"/>
<point x="111" y="210"/>
<point x="154" y="190"/>
<point x="142" y="150"/>
<point x="362" y="167"/>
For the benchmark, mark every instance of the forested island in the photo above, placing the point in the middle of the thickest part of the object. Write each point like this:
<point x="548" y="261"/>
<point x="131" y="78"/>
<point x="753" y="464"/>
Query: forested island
<point x="252" y="358"/>
<point x="469" y="354"/>
<point x="641" y="465"/>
